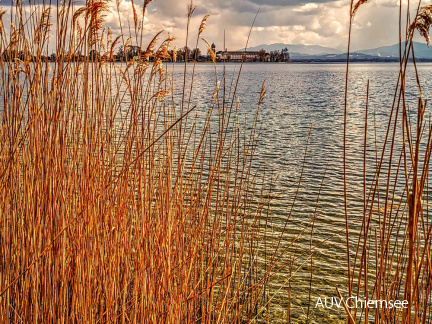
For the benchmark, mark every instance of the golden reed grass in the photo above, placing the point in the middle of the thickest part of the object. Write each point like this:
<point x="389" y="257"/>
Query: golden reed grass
<point x="120" y="202"/>
<point x="116" y="204"/>
<point x="391" y="259"/>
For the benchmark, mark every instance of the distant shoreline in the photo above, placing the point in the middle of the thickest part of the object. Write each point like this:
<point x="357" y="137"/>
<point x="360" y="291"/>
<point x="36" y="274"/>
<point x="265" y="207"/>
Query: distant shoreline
<point x="294" y="61"/>
<point x="302" y="61"/>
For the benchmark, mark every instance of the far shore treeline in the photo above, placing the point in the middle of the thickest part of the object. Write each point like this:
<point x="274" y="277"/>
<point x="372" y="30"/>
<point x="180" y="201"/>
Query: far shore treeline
<point x="130" y="52"/>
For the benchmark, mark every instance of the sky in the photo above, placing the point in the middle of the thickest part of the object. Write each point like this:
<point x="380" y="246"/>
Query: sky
<point x="323" y="22"/>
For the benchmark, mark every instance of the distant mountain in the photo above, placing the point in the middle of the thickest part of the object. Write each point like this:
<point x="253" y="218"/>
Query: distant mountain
<point x="333" y="57"/>
<point x="421" y="50"/>
<point x="298" y="49"/>
<point x="321" y="53"/>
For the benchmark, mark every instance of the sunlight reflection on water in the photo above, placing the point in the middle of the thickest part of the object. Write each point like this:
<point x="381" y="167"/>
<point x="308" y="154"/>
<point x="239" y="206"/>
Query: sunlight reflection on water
<point x="300" y="96"/>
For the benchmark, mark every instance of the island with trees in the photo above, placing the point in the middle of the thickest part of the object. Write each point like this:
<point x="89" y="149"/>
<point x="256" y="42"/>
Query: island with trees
<point x="133" y="52"/>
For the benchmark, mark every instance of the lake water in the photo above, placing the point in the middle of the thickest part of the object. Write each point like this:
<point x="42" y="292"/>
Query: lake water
<point x="301" y="96"/>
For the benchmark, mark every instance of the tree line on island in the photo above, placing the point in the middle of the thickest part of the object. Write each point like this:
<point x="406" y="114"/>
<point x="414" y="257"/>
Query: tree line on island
<point x="130" y="52"/>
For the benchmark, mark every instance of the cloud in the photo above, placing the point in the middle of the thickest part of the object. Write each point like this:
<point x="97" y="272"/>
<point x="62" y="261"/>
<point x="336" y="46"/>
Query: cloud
<point x="284" y="3"/>
<point x="319" y="22"/>
<point x="308" y="8"/>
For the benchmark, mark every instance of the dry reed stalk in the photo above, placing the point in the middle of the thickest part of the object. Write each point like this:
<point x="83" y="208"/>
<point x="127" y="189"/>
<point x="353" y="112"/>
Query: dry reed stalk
<point x="114" y="206"/>
<point x="401" y="226"/>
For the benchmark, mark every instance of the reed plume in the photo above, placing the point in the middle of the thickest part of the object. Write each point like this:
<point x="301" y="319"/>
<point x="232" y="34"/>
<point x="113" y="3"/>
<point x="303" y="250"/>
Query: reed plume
<point x="2" y="12"/>
<point x="210" y="50"/>
<point x="135" y="16"/>
<point x="422" y="23"/>
<point x="94" y="11"/>
<point x="357" y="6"/>
<point x="202" y="25"/>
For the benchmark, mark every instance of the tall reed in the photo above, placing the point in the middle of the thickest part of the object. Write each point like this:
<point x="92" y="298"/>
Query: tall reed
<point x="391" y="256"/>
<point x="120" y="200"/>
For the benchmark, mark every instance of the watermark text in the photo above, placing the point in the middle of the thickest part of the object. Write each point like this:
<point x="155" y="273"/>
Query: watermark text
<point x="356" y="302"/>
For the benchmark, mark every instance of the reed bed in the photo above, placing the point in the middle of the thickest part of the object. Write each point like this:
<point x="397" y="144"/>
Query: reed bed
<point x="120" y="202"/>
<point x="389" y="258"/>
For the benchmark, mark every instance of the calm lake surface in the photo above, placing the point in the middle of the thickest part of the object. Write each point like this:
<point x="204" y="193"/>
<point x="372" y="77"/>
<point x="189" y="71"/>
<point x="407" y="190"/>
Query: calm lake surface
<point x="301" y="96"/>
